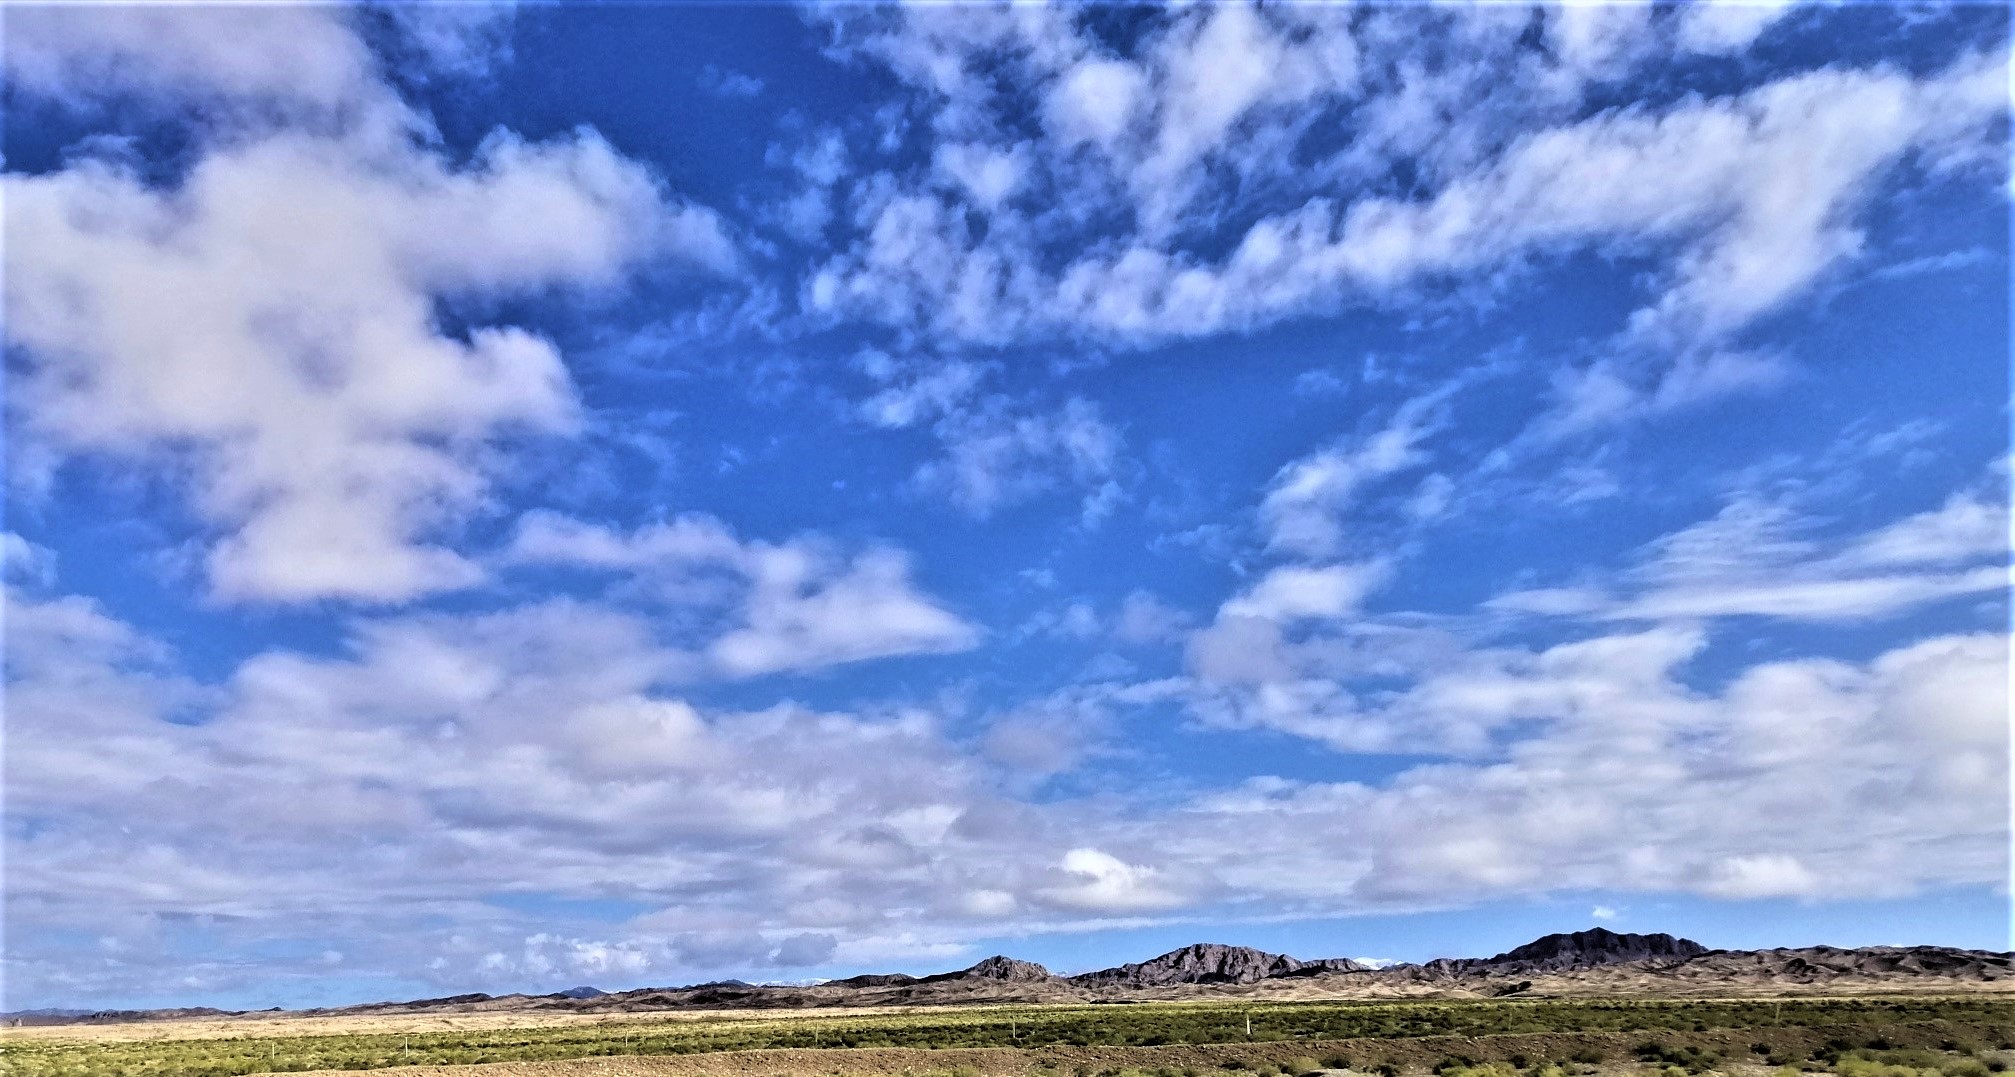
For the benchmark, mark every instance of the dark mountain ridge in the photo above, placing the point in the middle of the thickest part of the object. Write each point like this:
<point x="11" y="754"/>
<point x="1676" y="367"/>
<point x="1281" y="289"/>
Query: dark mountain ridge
<point x="1210" y="963"/>
<point x="1596" y="961"/>
<point x="1596" y="946"/>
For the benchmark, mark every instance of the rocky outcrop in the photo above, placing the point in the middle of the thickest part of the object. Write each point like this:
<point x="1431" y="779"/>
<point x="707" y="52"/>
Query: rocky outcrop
<point x="998" y="969"/>
<point x="1596" y="946"/>
<point x="1200" y="963"/>
<point x="1009" y="970"/>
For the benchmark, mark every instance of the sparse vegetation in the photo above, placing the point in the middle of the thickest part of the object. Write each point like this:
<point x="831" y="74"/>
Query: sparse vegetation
<point x="1861" y="1038"/>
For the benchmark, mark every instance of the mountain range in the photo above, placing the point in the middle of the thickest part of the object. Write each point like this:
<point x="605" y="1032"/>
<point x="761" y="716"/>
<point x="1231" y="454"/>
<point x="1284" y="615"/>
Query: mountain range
<point x="1593" y="962"/>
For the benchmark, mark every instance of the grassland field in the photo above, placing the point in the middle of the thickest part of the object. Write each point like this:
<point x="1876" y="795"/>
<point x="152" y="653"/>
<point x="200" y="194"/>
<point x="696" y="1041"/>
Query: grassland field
<point x="1912" y="1036"/>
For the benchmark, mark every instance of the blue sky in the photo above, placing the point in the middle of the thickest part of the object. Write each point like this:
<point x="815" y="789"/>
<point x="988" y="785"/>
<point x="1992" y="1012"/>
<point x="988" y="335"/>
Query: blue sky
<point x="508" y="498"/>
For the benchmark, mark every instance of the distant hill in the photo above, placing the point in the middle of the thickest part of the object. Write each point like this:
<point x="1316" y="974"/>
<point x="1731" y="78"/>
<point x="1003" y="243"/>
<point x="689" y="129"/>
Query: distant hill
<point x="1208" y="963"/>
<point x="1596" y="946"/>
<point x="1007" y="970"/>
<point x="1585" y="963"/>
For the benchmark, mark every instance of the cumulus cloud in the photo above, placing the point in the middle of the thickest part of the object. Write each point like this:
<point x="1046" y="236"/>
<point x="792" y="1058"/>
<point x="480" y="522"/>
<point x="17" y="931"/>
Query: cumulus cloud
<point x="1666" y="781"/>
<point x="1292" y="651"/>
<point x="1100" y="882"/>
<point x="1143" y="618"/>
<point x="1764" y="875"/>
<point x="267" y="323"/>
<point x="457" y="755"/>
<point x="1729" y="26"/>
<point x="870" y="610"/>
<point x="444" y="744"/>
<point x="1294" y="592"/>
<point x="306" y="58"/>
<point x="791" y="606"/>
<point x="1743" y="201"/>
<point x="1703" y="174"/>
<point x="23" y="560"/>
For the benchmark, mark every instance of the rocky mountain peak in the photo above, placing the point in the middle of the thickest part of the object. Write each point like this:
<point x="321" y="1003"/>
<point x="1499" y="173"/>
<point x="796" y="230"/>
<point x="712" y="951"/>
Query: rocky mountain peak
<point x="999" y="967"/>
<point x="1597" y="946"/>
<point x="1199" y="963"/>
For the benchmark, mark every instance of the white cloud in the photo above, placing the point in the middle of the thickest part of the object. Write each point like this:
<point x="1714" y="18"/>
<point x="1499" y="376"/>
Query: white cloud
<point x="1598" y="40"/>
<point x="941" y="390"/>
<point x="1239" y="650"/>
<point x="1611" y="390"/>
<point x="800" y="618"/>
<point x="792" y="606"/>
<point x="1095" y="101"/>
<point x="22" y="560"/>
<point x="1866" y="598"/>
<point x="1603" y="912"/>
<point x="1143" y="618"/>
<point x="1304" y="506"/>
<point x="1293" y="592"/>
<point x="1754" y="559"/>
<point x="1051" y="734"/>
<point x="437" y="739"/>
<point x="1551" y="601"/>
<point x="1740" y="202"/>
<point x="1966" y="527"/>
<point x="267" y="323"/>
<point x="995" y="457"/>
<point x="998" y="450"/>
<point x="723" y="82"/>
<point x="1728" y="26"/>
<point x="1798" y="778"/>
<point x="1765" y="875"/>
<point x="1214" y="70"/>
<point x="303" y="56"/>
<point x="988" y="176"/>
<point x="457" y="755"/>
<point x="1103" y="883"/>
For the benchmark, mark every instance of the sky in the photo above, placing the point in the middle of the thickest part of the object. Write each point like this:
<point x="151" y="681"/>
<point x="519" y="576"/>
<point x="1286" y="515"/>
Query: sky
<point x="502" y="499"/>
